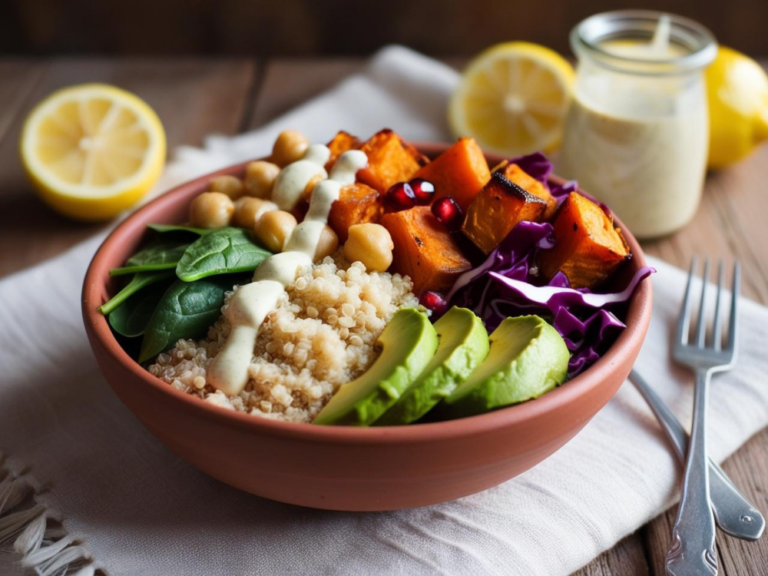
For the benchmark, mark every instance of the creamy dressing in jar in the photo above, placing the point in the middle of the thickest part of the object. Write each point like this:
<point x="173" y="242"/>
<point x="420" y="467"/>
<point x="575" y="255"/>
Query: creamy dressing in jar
<point x="250" y="304"/>
<point x="637" y="132"/>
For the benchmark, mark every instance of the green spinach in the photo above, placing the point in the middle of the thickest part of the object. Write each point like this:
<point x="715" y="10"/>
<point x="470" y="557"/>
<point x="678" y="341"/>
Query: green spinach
<point x="186" y="310"/>
<point x="223" y="251"/>
<point x="130" y="318"/>
<point x="160" y="254"/>
<point x="166" y="228"/>
<point x="138" y="282"/>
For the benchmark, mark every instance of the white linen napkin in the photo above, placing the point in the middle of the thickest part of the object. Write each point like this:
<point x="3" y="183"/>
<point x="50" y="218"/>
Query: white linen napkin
<point x="138" y="509"/>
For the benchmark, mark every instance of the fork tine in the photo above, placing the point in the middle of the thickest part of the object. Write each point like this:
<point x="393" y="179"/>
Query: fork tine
<point x="684" y="321"/>
<point x="701" y="323"/>
<point x="733" y="321"/>
<point x="717" y="327"/>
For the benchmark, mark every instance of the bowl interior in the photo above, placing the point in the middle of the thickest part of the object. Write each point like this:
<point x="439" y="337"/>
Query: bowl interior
<point x="172" y="208"/>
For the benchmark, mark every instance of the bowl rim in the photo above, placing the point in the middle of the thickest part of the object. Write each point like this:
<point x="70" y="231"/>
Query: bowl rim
<point x="637" y="320"/>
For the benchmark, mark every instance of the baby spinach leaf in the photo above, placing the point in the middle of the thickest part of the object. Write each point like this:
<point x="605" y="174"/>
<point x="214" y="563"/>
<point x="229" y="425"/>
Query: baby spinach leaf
<point x="132" y="316"/>
<point x="138" y="282"/>
<point x="186" y="310"/>
<point x="160" y="254"/>
<point x="222" y="251"/>
<point x="165" y="228"/>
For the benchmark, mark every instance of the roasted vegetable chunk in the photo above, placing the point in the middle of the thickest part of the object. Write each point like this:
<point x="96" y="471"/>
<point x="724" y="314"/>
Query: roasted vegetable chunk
<point x="497" y="209"/>
<point x="518" y="176"/>
<point x="424" y="249"/>
<point x="459" y="172"/>
<point x="342" y="142"/>
<point x="390" y="160"/>
<point x="357" y="204"/>
<point x="589" y="249"/>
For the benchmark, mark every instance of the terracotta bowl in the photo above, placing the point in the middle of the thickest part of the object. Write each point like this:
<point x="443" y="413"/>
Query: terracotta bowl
<point x="344" y="468"/>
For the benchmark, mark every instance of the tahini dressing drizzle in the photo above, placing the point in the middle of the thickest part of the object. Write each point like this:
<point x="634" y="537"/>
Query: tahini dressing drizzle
<point x="251" y="304"/>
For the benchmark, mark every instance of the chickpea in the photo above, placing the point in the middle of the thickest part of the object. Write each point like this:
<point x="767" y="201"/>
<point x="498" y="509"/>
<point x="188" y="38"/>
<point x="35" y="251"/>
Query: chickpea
<point x="249" y="210"/>
<point x="229" y="185"/>
<point x="327" y="244"/>
<point x="274" y="228"/>
<point x="370" y="244"/>
<point x="289" y="147"/>
<point x="260" y="177"/>
<point x="211" y="210"/>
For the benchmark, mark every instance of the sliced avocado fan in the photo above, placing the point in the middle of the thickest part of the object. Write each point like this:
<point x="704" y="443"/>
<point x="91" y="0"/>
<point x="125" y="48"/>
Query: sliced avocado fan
<point x="527" y="359"/>
<point x="463" y="344"/>
<point x="408" y="344"/>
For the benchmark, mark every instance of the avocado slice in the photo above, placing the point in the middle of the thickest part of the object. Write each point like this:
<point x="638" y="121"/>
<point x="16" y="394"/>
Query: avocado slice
<point x="527" y="358"/>
<point x="463" y="344"/>
<point x="408" y="344"/>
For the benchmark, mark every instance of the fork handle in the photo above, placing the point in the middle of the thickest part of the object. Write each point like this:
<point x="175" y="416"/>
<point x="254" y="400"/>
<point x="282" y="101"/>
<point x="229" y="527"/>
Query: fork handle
<point x="693" y="536"/>
<point x="734" y="513"/>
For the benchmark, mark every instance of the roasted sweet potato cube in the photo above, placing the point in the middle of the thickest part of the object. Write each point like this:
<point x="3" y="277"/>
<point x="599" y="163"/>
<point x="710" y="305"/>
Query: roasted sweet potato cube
<point x="589" y="248"/>
<point x="500" y="205"/>
<point x="390" y="160"/>
<point x="357" y="204"/>
<point x="424" y="249"/>
<point x="342" y="142"/>
<point x="518" y="176"/>
<point x="459" y="172"/>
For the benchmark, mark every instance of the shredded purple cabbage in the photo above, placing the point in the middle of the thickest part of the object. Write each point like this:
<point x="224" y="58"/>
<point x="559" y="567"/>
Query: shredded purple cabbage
<point x="507" y="284"/>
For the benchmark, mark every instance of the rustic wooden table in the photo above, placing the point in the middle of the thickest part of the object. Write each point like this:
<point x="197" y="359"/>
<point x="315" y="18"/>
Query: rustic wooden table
<point x="196" y="97"/>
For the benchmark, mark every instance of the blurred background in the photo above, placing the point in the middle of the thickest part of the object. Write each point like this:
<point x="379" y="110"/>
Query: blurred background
<point x="230" y="66"/>
<point x="332" y="27"/>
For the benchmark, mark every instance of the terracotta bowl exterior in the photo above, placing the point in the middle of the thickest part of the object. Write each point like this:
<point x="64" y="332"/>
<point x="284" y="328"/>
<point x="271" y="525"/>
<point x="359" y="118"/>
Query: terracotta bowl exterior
<point x="345" y="468"/>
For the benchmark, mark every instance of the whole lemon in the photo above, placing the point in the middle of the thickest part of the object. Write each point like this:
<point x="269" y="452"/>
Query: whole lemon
<point x="737" y="93"/>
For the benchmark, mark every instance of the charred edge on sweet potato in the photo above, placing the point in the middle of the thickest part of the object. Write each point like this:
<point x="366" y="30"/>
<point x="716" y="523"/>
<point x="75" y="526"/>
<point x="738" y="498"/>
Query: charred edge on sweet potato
<point x="518" y="176"/>
<point x="589" y="249"/>
<point x="498" y="208"/>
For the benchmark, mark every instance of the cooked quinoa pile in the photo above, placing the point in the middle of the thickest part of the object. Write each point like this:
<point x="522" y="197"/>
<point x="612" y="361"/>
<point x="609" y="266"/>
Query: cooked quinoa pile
<point x="321" y="335"/>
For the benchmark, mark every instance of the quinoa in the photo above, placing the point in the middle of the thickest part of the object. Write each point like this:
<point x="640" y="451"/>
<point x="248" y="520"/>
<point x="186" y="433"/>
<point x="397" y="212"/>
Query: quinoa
<point x="321" y="335"/>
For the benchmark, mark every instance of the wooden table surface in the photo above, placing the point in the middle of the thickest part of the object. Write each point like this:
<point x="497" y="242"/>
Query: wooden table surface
<point x="196" y="97"/>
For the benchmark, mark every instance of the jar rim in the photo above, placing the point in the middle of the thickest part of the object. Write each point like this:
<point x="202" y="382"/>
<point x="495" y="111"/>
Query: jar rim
<point x="587" y="38"/>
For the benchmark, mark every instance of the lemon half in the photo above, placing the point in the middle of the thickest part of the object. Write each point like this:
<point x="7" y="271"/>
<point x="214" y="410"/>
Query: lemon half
<point x="513" y="99"/>
<point x="92" y="150"/>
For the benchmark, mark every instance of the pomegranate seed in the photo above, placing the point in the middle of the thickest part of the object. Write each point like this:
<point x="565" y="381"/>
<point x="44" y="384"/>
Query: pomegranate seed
<point x="448" y="212"/>
<point x="401" y="197"/>
<point x="433" y="301"/>
<point x="422" y="189"/>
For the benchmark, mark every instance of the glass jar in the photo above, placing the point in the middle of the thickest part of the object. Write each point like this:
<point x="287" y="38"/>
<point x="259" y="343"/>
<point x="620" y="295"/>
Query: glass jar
<point x="637" y="131"/>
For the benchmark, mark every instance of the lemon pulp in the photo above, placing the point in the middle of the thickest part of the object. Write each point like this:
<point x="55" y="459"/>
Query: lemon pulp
<point x="513" y="99"/>
<point x="92" y="150"/>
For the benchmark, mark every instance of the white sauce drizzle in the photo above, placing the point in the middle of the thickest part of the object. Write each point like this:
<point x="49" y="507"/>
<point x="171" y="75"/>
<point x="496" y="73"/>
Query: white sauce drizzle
<point x="251" y="304"/>
<point x="293" y="179"/>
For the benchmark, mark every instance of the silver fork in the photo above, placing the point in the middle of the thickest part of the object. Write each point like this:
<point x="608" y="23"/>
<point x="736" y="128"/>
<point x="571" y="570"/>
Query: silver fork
<point x="734" y="513"/>
<point x="693" y="536"/>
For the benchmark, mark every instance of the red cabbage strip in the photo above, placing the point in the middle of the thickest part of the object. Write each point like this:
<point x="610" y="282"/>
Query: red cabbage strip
<point x="513" y="256"/>
<point x="554" y="297"/>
